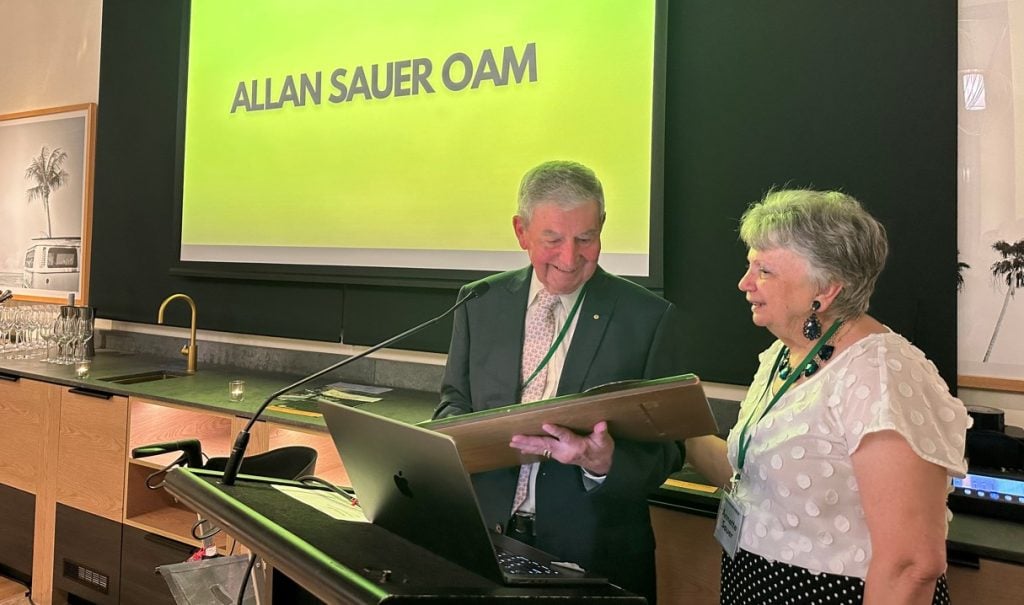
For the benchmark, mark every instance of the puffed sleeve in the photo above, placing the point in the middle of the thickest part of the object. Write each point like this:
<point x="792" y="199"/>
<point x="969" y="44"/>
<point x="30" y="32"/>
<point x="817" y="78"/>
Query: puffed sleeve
<point x="889" y="384"/>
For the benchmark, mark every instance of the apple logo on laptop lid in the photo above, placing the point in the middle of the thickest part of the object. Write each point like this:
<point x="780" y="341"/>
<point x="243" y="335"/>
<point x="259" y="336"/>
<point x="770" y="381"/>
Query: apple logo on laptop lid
<point x="403" y="485"/>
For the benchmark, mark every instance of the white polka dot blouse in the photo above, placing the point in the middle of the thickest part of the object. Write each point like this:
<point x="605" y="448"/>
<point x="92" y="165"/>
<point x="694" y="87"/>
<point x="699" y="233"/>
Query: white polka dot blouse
<point x="798" y="491"/>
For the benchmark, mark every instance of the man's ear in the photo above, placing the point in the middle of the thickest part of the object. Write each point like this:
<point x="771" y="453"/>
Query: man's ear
<point x="519" y="226"/>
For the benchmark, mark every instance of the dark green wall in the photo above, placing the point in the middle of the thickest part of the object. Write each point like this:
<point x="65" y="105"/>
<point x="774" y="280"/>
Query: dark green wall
<point x="857" y="95"/>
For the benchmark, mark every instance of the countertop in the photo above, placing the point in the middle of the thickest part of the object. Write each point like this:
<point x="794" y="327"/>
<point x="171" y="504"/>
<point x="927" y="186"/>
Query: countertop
<point x="207" y="389"/>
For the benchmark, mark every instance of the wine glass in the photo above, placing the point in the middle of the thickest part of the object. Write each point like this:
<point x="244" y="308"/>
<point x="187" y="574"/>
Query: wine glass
<point x="83" y="333"/>
<point x="49" y="336"/>
<point x="19" y="331"/>
<point x="6" y="324"/>
<point x="56" y="335"/>
<point x="66" y="336"/>
<point x="37" y="322"/>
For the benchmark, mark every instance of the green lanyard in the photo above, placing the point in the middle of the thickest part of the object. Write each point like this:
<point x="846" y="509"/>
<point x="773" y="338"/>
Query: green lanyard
<point x="741" y="455"/>
<point x="561" y="336"/>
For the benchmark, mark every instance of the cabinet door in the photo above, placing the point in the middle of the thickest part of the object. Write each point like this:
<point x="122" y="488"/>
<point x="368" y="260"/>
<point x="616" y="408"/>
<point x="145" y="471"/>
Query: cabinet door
<point x="689" y="559"/>
<point x="141" y="553"/>
<point x="993" y="582"/>
<point x="24" y="412"/>
<point x="87" y="558"/>
<point x="17" y="520"/>
<point x="92" y="458"/>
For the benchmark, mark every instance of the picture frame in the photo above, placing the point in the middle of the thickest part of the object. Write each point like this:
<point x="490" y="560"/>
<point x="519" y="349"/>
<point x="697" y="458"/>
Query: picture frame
<point x="46" y="185"/>
<point x="990" y="212"/>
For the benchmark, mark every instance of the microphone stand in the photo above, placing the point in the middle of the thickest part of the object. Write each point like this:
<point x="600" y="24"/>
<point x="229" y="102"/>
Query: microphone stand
<point x="242" y="440"/>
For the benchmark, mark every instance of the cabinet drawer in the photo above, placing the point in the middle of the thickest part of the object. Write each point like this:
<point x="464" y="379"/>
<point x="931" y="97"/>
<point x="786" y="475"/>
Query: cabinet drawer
<point x="91" y="463"/>
<point x="141" y="553"/>
<point x="87" y="557"/>
<point x="17" y="519"/>
<point x="24" y="413"/>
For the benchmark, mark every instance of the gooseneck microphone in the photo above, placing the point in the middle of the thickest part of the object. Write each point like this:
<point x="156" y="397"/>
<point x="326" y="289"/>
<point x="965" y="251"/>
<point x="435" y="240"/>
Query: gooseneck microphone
<point x="242" y="441"/>
<point x="5" y="295"/>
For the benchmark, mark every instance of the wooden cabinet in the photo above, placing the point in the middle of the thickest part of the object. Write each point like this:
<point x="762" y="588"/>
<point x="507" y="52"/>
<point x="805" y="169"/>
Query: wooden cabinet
<point x="24" y="416"/>
<point x="992" y="582"/>
<point x="141" y="553"/>
<point x="93" y="429"/>
<point x="87" y="558"/>
<point x="91" y="462"/>
<point x="154" y="510"/>
<point x="157" y="528"/>
<point x="156" y="422"/>
<point x="29" y="413"/>
<point x="688" y="557"/>
<point x="17" y="519"/>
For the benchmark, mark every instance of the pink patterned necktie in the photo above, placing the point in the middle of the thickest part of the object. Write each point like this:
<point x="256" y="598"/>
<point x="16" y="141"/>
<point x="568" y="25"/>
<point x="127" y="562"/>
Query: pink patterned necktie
<point x="540" y="332"/>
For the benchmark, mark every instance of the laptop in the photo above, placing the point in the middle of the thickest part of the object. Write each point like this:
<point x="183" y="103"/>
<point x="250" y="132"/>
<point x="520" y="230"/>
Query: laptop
<point x="411" y="481"/>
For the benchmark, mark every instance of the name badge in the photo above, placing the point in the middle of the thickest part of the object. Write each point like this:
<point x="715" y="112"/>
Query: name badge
<point x="728" y="524"/>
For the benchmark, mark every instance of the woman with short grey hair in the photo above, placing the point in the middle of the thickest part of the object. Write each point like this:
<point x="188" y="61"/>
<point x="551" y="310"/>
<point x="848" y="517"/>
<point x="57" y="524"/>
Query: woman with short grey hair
<point x="837" y="470"/>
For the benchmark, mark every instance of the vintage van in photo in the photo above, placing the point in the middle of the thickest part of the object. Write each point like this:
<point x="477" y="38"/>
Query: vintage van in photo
<point x="53" y="263"/>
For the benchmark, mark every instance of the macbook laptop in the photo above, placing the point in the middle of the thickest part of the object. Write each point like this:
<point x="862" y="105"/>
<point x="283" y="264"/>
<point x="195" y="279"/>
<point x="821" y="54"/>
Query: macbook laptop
<point x="411" y="481"/>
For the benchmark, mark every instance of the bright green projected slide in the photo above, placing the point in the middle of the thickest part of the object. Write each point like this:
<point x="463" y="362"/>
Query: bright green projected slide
<point x="394" y="134"/>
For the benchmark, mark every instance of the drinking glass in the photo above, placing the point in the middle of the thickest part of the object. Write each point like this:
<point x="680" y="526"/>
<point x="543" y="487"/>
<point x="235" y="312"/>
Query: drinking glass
<point x="83" y="334"/>
<point x="49" y="336"/>
<point x="66" y="336"/>
<point x="37" y="321"/>
<point x="56" y="333"/>
<point x="6" y="325"/>
<point x="21" y="323"/>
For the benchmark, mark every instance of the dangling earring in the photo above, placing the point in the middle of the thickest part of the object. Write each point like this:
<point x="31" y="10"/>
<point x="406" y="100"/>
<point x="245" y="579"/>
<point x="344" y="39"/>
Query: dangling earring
<point x="812" y="327"/>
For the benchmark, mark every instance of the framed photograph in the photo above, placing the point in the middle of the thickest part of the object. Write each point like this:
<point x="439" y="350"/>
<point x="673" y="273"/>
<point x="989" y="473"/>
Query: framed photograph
<point x="46" y="171"/>
<point x="990" y="215"/>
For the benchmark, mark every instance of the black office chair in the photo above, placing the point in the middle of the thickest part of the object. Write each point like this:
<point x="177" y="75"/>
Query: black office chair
<point x="289" y="462"/>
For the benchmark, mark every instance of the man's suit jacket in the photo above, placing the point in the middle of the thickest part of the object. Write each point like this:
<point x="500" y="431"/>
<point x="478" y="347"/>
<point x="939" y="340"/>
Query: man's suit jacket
<point x="623" y="332"/>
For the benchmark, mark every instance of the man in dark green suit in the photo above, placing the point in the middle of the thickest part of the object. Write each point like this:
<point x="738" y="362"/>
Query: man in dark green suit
<point x="587" y="500"/>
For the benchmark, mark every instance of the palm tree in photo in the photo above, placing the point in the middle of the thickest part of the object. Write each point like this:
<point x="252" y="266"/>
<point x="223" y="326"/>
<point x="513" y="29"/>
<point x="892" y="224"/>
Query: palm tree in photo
<point x="960" y="266"/>
<point x="1011" y="270"/>
<point x="49" y="174"/>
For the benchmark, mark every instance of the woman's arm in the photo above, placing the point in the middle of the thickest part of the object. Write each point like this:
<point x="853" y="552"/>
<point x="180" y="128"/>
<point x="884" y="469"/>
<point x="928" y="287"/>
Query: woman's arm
<point x="904" y="500"/>
<point x="707" y="454"/>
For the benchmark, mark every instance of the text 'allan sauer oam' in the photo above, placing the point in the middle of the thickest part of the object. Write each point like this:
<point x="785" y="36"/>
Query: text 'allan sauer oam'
<point x="395" y="78"/>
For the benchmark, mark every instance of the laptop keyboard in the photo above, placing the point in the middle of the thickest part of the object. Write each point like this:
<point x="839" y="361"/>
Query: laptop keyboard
<point x="518" y="565"/>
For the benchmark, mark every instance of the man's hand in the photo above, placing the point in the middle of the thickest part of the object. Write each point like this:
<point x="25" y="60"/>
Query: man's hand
<point x="592" y="452"/>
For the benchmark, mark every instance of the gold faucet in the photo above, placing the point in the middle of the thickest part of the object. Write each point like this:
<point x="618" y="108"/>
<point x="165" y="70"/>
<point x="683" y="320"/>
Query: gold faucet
<point x="188" y="350"/>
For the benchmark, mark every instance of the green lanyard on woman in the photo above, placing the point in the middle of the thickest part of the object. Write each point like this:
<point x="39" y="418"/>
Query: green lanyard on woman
<point x="741" y="454"/>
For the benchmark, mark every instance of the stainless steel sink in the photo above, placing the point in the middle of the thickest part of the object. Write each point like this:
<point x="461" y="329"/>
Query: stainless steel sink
<point x="149" y="376"/>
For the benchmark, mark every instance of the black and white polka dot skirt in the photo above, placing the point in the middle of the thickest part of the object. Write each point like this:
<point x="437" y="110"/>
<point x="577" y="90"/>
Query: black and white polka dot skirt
<point x="750" y="579"/>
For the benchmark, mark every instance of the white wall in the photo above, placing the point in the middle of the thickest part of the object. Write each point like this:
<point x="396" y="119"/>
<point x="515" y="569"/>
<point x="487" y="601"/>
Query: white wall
<point x="51" y="53"/>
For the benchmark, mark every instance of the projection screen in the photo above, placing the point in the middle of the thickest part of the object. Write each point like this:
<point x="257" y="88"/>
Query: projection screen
<point x="346" y="133"/>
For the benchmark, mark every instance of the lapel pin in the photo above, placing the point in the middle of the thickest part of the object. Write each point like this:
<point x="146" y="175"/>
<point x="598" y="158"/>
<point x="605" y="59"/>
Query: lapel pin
<point x="596" y="316"/>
